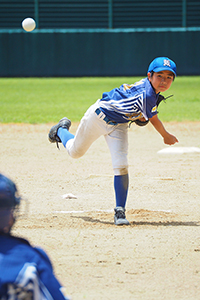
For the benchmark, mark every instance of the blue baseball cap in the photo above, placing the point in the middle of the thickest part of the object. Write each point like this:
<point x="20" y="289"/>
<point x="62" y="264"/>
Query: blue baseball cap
<point x="162" y="64"/>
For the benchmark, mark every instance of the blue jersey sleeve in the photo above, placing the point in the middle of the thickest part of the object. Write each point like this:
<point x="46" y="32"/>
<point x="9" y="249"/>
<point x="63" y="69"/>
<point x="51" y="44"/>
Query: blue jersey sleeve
<point x="151" y="98"/>
<point x="151" y="109"/>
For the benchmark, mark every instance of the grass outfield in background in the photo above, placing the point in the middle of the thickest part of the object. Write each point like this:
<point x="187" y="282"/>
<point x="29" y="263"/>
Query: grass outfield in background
<point x="47" y="100"/>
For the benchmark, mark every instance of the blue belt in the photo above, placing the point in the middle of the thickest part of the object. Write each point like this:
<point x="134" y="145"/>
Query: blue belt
<point x="108" y="121"/>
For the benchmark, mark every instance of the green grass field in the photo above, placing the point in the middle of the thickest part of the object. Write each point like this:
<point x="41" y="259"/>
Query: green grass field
<point x="45" y="100"/>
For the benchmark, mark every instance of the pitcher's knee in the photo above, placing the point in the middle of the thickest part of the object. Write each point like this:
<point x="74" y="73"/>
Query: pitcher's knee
<point x="120" y="171"/>
<point x="75" y="154"/>
<point x="73" y="150"/>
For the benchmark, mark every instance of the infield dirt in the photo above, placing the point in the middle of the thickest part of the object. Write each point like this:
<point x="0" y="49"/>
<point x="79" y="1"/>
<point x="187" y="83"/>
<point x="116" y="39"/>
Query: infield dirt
<point x="156" y="257"/>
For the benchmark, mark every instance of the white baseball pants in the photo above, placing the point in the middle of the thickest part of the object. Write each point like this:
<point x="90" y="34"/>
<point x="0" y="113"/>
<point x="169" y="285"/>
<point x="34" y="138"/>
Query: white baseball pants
<point x="91" y="127"/>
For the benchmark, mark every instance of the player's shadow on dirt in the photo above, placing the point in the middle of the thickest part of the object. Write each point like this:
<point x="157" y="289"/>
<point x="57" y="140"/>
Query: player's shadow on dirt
<point x="140" y="223"/>
<point x="92" y="220"/>
<point x="160" y="223"/>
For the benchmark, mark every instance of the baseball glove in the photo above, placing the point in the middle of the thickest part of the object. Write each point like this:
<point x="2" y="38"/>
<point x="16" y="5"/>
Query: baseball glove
<point x="160" y="99"/>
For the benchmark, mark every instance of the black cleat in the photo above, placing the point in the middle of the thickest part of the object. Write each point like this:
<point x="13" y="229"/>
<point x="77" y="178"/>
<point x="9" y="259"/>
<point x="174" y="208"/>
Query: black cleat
<point x="120" y="217"/>
<point x="53" y="137"/>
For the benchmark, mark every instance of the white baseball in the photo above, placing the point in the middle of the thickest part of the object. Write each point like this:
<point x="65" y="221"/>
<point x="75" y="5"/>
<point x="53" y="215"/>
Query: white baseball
<point x="28" y="24"/>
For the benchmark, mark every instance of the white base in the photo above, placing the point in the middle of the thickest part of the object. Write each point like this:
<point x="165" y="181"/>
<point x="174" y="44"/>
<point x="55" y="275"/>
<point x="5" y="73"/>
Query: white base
<point x="179" y="150"/>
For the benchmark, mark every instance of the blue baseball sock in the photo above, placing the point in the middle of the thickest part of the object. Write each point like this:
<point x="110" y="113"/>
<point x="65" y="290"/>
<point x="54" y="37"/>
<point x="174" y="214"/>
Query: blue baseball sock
<point x="64" y="135"/>
<point x="121" y="183"/>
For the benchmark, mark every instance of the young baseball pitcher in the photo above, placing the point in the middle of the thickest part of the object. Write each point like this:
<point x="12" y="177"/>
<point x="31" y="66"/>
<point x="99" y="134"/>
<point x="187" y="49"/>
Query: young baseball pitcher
<point x="110" y="116"/>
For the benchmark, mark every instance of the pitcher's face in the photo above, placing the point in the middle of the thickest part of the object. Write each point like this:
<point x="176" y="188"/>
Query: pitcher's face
<point x="161" y="81"/>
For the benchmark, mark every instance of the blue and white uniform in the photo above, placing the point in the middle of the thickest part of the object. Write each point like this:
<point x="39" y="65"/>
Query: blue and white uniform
<point x="26" y="272"/>
<point x="110" y="116"/>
